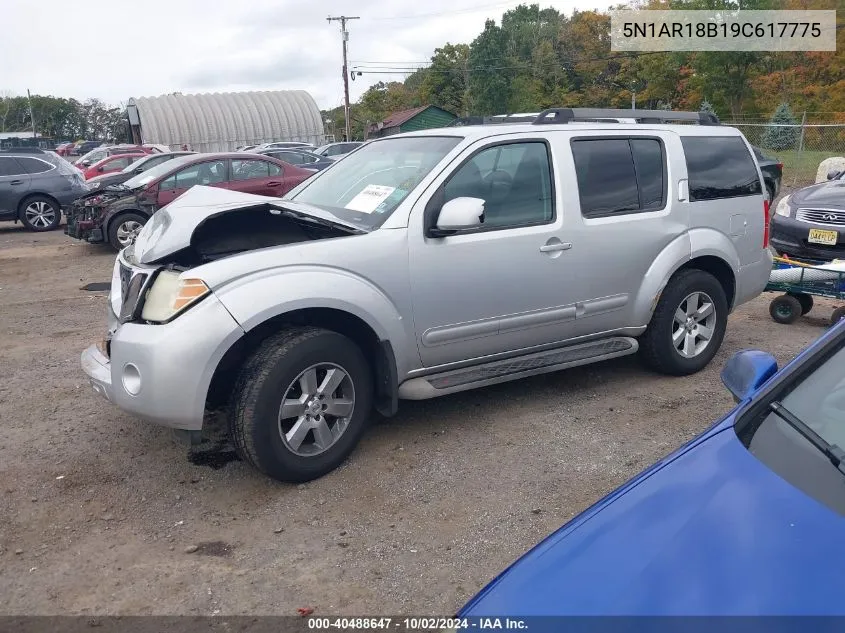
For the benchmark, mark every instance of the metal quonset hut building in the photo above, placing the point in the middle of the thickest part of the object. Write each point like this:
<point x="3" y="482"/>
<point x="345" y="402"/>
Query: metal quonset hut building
<point x="220" y="122"/>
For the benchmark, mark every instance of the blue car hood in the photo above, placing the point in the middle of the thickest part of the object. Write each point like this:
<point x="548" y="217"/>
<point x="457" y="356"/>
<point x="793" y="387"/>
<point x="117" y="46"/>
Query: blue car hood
<point x="709" y="531"/>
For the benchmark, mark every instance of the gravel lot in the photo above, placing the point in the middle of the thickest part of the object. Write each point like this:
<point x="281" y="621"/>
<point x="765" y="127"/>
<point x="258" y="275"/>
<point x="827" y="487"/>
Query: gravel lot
<point x="101" y="513"/>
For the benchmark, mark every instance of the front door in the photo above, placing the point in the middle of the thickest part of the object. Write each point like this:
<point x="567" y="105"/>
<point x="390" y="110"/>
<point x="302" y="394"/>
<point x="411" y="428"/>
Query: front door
<point x="502" y="287"/>
<point x="211" y="173"/>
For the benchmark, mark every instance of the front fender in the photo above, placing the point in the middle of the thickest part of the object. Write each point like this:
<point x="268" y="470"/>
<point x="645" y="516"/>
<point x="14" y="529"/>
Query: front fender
<point x="255" y="298"/>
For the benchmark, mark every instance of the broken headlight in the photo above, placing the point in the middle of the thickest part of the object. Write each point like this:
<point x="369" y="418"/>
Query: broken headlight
<point x="169" y="295"/>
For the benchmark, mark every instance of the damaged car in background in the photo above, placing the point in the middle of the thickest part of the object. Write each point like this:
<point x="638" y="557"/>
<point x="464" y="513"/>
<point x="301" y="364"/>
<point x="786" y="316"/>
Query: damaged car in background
<point x="425" y="264"/>
<point x="116" y="213"/>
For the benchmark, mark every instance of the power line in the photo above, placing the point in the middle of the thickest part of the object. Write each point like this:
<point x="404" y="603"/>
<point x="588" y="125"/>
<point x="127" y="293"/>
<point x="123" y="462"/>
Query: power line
<point x="438" y="13"/>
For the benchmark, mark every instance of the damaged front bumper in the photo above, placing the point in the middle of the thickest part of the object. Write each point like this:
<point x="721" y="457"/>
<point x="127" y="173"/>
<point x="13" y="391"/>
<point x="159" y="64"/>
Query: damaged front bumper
<point x="83" y="223"/>
<point x="162" y="372"/>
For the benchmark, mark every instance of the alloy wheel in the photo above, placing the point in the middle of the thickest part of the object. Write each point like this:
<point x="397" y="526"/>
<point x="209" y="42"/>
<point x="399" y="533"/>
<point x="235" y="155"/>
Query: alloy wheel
<point x="40" y="214"/>
<point x="128" y="231"/>
<point x="316" y="409"/>
<point x="694" y="324"/>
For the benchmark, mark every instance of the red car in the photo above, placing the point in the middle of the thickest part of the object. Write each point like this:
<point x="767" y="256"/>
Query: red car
<point x="116" y="216"/>
<point x="99" y="153"/>
<point x="111" y="164"/>
<point x="63" y="149"/>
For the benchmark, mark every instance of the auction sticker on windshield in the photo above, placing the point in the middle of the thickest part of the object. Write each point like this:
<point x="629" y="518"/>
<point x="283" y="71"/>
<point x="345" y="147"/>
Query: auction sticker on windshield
<point x="369" y="198"/>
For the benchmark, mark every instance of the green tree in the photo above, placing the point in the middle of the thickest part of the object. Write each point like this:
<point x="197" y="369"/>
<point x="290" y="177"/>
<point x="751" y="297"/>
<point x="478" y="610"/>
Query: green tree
<point x="779" y="138"/>
<point x="489" y="80"/>
<point x="446" y="81"/>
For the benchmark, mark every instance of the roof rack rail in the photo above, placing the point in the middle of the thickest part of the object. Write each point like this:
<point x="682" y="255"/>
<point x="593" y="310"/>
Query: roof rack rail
<point x="565" y="115"/>
<point x="529" y="117"/>
<point x="22" y="150"/>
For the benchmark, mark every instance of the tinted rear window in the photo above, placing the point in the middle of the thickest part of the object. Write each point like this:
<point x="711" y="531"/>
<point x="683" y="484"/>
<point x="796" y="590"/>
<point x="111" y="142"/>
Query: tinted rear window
<point x="620" y="175"/>
<point x="9" y="166"/>
<point x="720" y="167"/>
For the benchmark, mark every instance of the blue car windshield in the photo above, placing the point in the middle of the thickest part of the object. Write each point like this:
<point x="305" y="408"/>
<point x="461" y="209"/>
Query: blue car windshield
<point x="817" y="398"/>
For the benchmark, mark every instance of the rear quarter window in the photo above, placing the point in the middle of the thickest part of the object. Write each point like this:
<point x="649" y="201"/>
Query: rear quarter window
<point x="720" y="167"/>
<point x="33" y="165"/>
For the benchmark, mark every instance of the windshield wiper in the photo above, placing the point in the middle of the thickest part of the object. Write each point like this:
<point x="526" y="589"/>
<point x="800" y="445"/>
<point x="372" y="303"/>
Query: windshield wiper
<point x="835" y="454"/>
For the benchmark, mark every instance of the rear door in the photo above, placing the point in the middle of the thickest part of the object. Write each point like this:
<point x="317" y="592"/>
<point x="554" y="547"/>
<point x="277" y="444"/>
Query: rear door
<point x="14" y="183"/>
<point x="621" y="212"/>
<point x="257" y="176"/>
<point x="210" y="173"/>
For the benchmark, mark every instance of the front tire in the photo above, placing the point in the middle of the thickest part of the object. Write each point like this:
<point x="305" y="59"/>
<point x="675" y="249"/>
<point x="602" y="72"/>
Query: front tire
<point x="688" y="324"/>
<point x="40" y="213"/>
<point x="124" y="228"/>
<point x="301" y="403"/>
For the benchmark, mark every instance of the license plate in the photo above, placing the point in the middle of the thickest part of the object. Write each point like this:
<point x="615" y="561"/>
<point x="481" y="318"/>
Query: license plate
<point x="820" y="236"/>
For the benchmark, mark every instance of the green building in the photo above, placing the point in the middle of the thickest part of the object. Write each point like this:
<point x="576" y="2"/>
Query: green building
<point x="422" y="118"/>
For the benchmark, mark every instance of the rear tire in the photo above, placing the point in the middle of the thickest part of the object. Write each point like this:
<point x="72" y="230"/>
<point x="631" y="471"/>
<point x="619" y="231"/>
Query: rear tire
<point x="785" y="309"/>
<point x="320" y="423"/>
<point x="681" y="346"/>
<point x="837" y="315"/>
<point x="40" y="213"/>
<point x="124" y="228"/>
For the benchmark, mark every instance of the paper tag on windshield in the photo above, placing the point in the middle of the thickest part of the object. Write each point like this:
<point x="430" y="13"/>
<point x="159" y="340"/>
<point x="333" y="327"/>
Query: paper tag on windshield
<point x="370" y="197"/>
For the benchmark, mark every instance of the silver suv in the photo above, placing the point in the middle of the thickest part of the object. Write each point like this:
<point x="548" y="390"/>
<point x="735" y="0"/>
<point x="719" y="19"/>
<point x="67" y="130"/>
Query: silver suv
<point x="429" y="263"/>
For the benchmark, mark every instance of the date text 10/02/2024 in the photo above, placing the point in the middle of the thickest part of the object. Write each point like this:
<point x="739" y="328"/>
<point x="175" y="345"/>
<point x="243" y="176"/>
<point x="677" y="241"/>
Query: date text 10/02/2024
<point x="417" y="624"/>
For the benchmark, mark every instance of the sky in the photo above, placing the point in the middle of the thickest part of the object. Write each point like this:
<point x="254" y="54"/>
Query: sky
<point x="142" y="49"/>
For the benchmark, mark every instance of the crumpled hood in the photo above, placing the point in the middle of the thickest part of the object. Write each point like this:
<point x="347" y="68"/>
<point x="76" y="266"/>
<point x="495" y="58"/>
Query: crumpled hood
<point x="712" y="532"/>
<point x="825" y="194"/>
<point x="170" y="229"/>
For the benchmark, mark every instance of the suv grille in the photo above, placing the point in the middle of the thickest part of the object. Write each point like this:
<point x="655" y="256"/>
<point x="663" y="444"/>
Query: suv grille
<point x="132" y="283"/>
<point x="822" y="216"/>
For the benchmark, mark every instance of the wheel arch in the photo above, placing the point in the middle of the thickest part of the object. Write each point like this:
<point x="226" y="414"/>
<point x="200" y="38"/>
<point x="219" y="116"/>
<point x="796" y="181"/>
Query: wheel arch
<point x="379" y="353"/>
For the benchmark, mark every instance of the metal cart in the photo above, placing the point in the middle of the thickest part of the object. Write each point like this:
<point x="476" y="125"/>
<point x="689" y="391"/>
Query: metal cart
<point x="799" y="285"/>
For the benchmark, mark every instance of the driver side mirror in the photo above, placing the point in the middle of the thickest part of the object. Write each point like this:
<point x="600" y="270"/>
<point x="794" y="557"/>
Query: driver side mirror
<point x="100" y="168"/>
<point x="87" y="163"/>
<point x="457" y="215"/>
<point x="747" y="371"/>
<point x="833" y="174"/>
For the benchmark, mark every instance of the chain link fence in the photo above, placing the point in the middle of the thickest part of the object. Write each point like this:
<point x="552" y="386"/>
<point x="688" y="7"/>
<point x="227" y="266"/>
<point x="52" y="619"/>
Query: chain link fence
<point x="800" y="147"/>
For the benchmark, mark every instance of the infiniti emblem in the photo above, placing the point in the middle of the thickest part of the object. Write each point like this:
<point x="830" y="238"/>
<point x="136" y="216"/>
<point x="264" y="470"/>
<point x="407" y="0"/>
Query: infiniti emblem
<point x="830" y="216"/>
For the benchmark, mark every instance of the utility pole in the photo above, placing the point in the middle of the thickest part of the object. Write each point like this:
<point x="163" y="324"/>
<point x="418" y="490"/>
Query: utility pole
<point x="31" y="112"/>
<point x="345" y="37"/>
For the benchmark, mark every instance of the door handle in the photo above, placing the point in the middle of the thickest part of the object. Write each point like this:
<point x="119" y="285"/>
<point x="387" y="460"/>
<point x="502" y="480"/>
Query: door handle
<point x="16" y="182"/>
<point x="557" y="246"/>
<point x="273" y="183"/>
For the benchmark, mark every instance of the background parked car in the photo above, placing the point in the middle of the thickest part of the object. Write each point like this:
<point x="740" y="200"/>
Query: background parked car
<point x="117" y="216"/>
<point x="746" y="519"/>
<point x="810" y="223"/>
<point x="99" y="153"/>
<point x="284" y="145"/>
<point x="772" y="170"/>
<point x="111" y="164"/>
<point x="302" y="158"/>
<point x="140" y="165"/>
<point x="34" y="185"/>
<point x="336" y="150"/>
<point x="81" y="148"/>
<point x="64" y="149"/>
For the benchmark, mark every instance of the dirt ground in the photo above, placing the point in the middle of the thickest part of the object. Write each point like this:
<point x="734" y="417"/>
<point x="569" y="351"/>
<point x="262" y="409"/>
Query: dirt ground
<point x="101" y="513"/>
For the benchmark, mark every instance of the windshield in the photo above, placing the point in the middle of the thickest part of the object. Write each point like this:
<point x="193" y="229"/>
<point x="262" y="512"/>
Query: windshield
<point x="142" y="162"/>
<point x="816" y="398"/>
<point x="153" y="173"/>
<point x="369" y="184"/>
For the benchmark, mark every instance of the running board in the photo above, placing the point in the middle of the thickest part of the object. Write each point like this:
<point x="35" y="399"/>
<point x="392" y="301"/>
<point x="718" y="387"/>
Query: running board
<point x="495" y="372"/>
